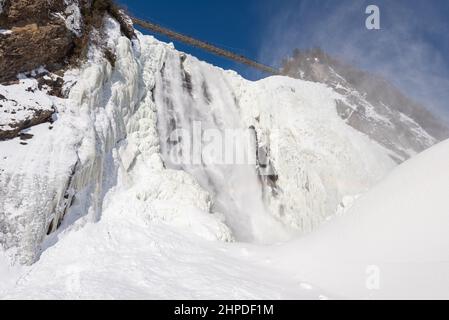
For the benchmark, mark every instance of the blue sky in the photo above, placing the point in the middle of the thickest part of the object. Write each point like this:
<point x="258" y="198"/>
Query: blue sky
<point x="233" y="25"/>
<point x="411" y="49"/>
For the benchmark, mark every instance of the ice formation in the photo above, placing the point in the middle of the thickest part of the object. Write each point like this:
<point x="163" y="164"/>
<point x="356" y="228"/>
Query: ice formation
<point x="116" y="122"/>
<point x="96" y="195"/>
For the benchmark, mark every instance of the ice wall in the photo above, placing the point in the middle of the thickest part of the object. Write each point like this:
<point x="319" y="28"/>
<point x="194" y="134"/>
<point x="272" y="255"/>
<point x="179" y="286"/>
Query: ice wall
<point x="194" y="96"/>
<point x="307" y="159"/>
<point x="115" y="132"/>
<point x="39" y="181"/>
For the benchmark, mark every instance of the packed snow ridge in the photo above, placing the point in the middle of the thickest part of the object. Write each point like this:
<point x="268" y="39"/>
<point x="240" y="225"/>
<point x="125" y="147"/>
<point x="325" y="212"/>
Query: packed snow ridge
<point x="95" y="205"/>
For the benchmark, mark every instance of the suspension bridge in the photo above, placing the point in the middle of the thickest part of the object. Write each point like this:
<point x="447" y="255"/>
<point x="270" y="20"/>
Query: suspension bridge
<point x="156" y="28"/>
<point x="153" y="27"/>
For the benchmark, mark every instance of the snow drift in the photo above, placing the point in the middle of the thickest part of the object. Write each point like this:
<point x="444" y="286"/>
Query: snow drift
<point x="396" y="232"/>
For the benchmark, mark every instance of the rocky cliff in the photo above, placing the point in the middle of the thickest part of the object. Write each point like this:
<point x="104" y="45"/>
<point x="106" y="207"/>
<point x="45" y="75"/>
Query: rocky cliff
<point x="43" y="46"/>
<point x="37" y="33"/>
<point x="371" y="104"/>
<point x="41" y="39"/>
<point x="51" y="34"/>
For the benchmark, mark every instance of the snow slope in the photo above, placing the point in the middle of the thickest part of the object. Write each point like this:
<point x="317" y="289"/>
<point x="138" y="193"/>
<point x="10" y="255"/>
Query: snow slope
<point x="398" y="230"/>
<point x="128" y="256"/>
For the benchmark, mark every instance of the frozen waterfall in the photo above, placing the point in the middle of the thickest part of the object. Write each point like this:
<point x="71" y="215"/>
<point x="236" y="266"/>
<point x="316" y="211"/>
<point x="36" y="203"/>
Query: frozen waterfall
<point x="199" y="112"/>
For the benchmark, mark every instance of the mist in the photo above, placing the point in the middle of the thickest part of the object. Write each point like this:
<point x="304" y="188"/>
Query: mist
<point x="410" y="50"/>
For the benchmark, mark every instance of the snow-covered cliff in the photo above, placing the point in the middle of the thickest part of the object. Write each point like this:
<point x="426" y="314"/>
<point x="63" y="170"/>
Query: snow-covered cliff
<point x="101" y="178"/>
<point x="371" y="104"/>
<point x="114" y="128"/>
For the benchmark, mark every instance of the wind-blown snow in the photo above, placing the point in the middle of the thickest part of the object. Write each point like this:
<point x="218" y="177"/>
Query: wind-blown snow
<point x="236" y="188"/>
<point x="319" y="159"/>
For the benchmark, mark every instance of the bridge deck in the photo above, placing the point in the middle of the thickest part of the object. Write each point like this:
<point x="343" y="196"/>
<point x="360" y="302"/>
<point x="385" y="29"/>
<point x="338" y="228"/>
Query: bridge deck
<point x="203" y="45"/>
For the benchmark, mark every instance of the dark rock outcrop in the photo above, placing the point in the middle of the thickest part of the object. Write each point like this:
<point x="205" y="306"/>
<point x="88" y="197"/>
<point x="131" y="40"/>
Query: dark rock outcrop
<point x="51" y="34"/>
<point x="19" y="13"/>
<point x="371" y="104"/>
<point x="38" y="37"/>
<point x="38" y="116"/>
<point x="33" y="45"/>
<point x="38" y="34"/>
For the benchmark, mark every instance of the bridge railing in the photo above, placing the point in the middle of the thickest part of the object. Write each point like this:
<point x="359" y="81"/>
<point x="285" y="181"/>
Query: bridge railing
<point x="203" y="45"/>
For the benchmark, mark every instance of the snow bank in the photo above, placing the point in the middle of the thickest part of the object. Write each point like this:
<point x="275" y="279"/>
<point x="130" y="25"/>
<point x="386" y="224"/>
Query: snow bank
<point x="126" y="256"/>
<point x="393" y="243"/>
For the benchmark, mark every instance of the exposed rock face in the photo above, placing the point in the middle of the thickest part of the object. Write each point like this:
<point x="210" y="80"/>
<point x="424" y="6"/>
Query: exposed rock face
<point x="49" y="33"/>
<point x="38" y="116"/>
<point x="38" y="36"/>
<point x="371" y="105"/>
<point x="18" y="13"/>
<point x="32" y="45"/>
<point x="26" y="104"/>
<point x="46" y="35"/>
